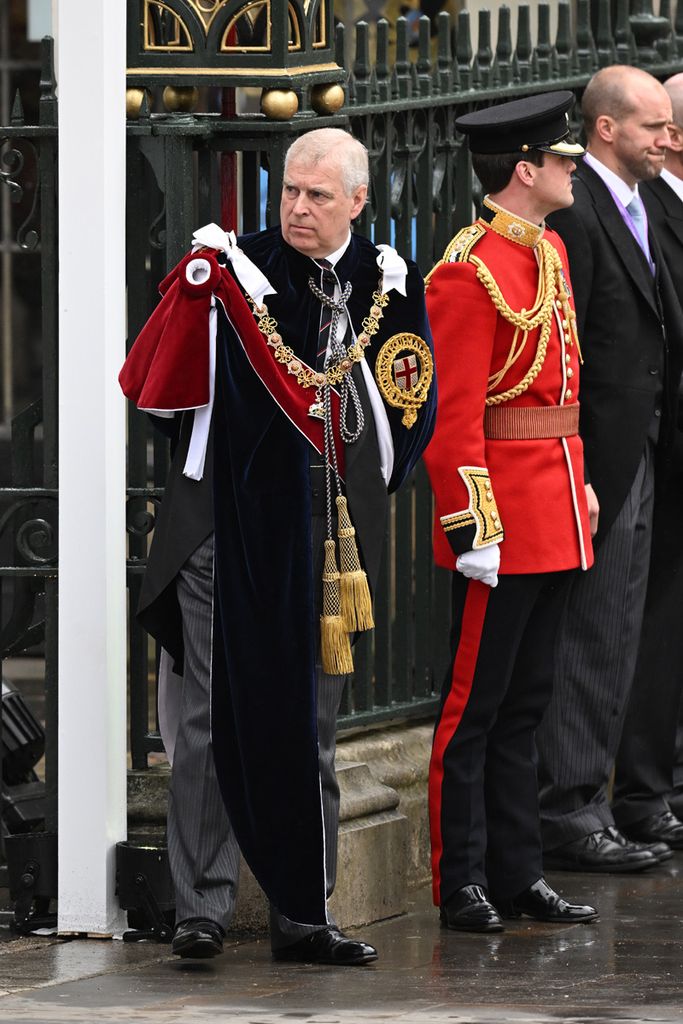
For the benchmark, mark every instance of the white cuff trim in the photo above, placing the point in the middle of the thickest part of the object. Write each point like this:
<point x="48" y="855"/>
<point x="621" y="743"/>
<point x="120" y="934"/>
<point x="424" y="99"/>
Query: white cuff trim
<point x="254" y="282"/>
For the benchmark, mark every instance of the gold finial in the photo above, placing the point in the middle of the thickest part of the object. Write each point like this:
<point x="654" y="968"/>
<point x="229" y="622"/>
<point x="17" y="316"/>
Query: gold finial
<point x="180" y="99"/>
<point x="134" y="98"/>
<point x="279" y="104"/>
<point x="327" y="98"/>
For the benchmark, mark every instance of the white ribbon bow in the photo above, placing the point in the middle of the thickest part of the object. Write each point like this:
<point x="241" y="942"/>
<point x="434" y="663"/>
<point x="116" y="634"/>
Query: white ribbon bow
<point x="394" y="269"/>
<point x="247" y="273"/>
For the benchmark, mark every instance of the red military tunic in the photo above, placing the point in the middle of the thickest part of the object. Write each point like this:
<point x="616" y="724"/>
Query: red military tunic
<point x="526" y="494"/>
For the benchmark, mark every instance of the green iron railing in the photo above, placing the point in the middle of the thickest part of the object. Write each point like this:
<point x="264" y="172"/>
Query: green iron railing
<point x="193" y="157"/>
<point x="28" y="500"/>
<point x="404" y="110"/>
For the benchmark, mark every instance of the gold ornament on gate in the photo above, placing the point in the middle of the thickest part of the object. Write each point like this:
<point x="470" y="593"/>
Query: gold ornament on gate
<point x="404" y="371"/>
<point x="134" y="99"/>
<point x="279" y="104"/>
<point x="327" y="98"/>
<point x="180" y="99"/>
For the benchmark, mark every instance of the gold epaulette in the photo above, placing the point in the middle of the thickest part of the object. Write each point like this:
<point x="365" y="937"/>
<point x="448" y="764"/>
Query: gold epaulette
<point x="459" y="247"/>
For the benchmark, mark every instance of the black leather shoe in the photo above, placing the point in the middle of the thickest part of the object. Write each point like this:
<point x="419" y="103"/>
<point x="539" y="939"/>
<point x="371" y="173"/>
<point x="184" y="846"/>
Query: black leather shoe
<point x="544" y="904"/>
<point x="328" y="946"/>
<point x="197" y="937"/>
<point x="607" y="850"/>
<point x="660" y="850"/>
<point x="664" y="827"/>
<point x="675" y="802"/>
<point x="468" y="910"/>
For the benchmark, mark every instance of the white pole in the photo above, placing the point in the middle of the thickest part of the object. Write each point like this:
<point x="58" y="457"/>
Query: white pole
<point x="92" y="595"/>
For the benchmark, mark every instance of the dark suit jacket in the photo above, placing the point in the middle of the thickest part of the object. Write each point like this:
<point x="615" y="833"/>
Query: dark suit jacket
<point x="665" y="216"/>
<point x="648" y="743"/>
<point x="631" y="333"/>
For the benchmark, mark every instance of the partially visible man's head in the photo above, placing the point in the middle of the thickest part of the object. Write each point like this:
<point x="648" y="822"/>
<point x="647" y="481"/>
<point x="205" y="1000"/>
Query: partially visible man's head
<point x="325" y="187"/>
<point x="674" y="158"/>
<point x="626" y="112"/>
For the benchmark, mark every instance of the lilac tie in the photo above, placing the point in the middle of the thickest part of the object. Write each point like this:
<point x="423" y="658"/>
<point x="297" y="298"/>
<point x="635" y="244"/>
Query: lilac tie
<point x="639" y="220"/>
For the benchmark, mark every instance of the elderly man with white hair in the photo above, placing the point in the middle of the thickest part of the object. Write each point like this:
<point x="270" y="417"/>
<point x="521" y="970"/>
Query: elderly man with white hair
<point x="296" y="366"/>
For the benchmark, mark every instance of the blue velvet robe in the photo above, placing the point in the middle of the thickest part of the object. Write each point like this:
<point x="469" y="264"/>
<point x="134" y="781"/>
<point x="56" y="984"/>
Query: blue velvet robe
<point x="264" y="731"/>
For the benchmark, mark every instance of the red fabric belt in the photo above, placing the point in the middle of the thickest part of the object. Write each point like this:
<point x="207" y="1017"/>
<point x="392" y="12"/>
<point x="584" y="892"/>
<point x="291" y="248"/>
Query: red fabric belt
<point x="530" y="423"/>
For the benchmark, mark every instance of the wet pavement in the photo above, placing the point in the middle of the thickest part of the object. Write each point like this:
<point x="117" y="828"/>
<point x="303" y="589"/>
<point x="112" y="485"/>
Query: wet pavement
<point x="626" y="967"/>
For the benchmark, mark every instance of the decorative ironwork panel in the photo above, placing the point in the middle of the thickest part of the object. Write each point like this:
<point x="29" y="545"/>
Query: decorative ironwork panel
<point x="231" y="42"/>
<point x="186" y="169"/>
<point x="28" y="505"/>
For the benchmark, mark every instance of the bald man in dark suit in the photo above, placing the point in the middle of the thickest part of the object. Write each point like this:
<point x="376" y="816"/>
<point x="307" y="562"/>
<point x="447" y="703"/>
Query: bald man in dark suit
<point x="644" y="766"/>
<point x="631" y="330"/>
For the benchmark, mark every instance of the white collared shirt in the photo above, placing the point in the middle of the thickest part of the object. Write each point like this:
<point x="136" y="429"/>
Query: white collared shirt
<point x="335" y="256"/>
<point x="674" y="183"/>
<point x="622" y="191"/>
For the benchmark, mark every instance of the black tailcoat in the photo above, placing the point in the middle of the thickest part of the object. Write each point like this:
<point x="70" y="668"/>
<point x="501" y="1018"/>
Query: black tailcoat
<point x="631" y="334"/>
<point x="665" y="216"/>
<point x="644" y="767"/>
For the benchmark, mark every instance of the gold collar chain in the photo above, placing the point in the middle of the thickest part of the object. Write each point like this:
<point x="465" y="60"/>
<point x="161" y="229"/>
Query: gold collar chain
<point x="305" y="376"/>
<point x="512" y="227"/>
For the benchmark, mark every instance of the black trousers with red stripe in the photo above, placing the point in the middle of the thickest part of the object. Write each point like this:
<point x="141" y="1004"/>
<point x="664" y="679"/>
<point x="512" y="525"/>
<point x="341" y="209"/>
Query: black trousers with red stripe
<point x="483" y="789"/>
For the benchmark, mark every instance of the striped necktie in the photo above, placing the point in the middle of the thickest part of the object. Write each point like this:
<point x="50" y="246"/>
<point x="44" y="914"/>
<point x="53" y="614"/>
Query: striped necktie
<point x="327" y="285"/>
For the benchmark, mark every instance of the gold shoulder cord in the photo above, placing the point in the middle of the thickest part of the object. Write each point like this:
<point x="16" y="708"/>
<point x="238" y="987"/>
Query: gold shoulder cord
<point x="550" y="283"/>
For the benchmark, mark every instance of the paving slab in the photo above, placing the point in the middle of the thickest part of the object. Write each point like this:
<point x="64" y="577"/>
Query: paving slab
<point x="628" y="967"/>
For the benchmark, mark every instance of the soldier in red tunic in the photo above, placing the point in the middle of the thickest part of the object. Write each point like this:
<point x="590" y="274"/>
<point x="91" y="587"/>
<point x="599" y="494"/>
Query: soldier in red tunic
<point x="513" y="516"/>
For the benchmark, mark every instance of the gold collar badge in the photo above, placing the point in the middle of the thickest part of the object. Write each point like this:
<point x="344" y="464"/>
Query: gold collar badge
<point x="509" y="225"/>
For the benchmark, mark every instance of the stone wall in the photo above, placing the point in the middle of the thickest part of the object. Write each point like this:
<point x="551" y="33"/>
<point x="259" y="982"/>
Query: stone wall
<point x="383" y="830"/>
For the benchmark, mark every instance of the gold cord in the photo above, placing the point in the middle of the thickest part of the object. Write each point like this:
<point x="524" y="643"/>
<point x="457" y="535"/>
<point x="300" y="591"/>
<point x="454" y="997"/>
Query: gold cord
<point x="551" y="283"/>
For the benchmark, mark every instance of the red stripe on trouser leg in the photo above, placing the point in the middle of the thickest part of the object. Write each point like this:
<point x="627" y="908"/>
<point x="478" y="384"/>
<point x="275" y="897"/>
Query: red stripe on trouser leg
<point x="464" y="665"/>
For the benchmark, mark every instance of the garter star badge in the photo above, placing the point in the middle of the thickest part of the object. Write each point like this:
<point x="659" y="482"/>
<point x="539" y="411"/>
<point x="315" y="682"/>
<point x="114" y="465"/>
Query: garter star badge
<point x="404" y="371"/>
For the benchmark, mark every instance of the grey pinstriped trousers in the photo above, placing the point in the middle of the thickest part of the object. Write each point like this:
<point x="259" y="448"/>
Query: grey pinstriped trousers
<point x="203" y="851"/>
<point x="595" y="661"/>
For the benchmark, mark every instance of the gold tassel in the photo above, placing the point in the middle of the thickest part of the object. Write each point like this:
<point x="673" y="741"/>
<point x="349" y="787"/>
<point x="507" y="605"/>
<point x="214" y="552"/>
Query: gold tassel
<point x="335" y="646"/>
<point x="356" y="603"/>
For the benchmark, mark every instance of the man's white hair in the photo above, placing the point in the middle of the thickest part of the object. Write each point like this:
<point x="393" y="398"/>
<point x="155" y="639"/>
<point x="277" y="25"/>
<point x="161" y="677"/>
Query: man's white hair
<point x="347" y="153"/>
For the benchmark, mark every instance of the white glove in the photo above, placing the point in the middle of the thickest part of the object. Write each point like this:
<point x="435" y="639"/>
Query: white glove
<point x="481" y="564"/>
